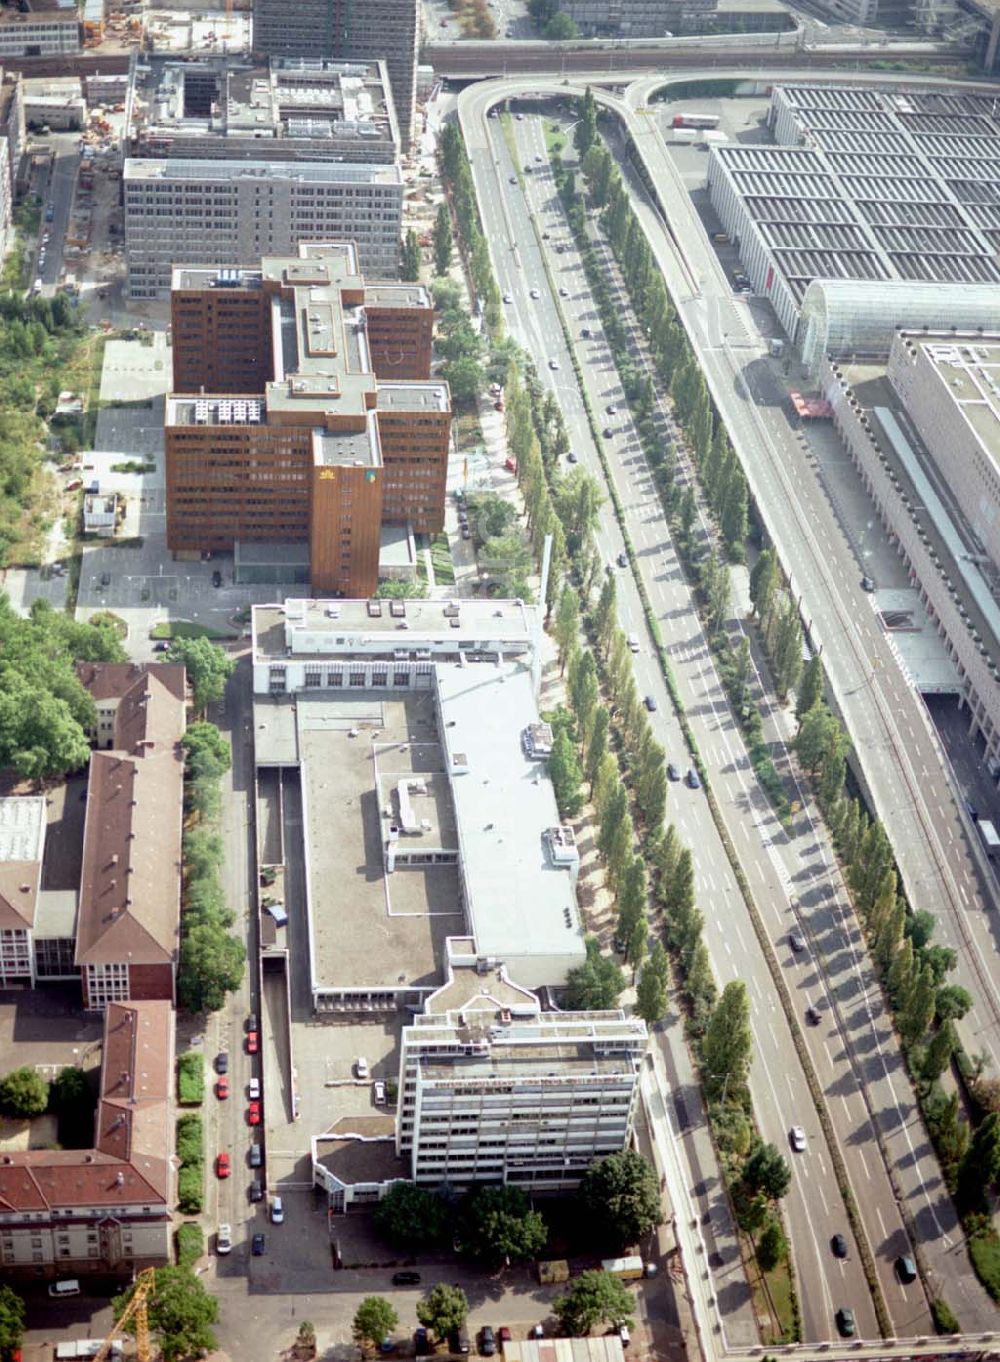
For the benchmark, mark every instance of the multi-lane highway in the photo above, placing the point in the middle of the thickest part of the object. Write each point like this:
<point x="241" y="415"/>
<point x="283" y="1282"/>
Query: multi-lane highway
<point x="779" y="1085"/>
<point x="856" y="1057"/>
<point x="864" y="1043"/>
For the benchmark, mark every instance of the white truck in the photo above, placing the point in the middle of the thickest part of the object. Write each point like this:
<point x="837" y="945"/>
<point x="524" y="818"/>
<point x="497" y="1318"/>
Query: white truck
<point x="989" y="836"/>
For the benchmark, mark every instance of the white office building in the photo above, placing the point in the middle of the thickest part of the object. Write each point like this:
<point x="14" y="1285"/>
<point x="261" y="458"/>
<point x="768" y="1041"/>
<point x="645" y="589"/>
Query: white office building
<point x="184" y="212"/>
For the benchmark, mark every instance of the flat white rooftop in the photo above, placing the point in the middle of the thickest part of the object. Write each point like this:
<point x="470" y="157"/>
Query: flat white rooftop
<point x="522" y="907"/>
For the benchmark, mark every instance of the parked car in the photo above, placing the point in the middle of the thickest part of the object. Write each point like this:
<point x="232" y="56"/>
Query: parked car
<point x="222" y="1088"/>
<point x="253" y="1090"/>
<point x="224" y="1240"/>
<point x="258" y="1245"/>
<point x="572" y="457"/>
<point x="503" y="1335"/>
<point x="378" y="1094"/>
<point x="253" y="1042"/>
<point x="487" y="1342"/>
<point x="255" y="1156"/>
<point x="251" y="1023"/>
<point x="406" y="1279"/>
<point x="277" y="1211"/>
<point x="223" y="1165"/>
<point x="867" y="584"/>
<point x="256" y="1190"/>
<point x="222" y="1062"/>
<point x="421" y="1340"/>
<point x="253" y="1114"/>
<point x="361" y="1067"/>
<point x="216" y="578"/>
<point x="459" y="1341"/>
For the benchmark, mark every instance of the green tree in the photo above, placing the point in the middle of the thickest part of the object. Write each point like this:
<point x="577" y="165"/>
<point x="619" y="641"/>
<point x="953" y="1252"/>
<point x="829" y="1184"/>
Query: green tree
<point x="374" y="1320"/>
<point x="566" y="776"/>
<point x="786" y="649"/>
<point x="11" y="1321"/>
<point x="560" y="29"/>
<point x="442" y="240"/>
<point x="819" y="734"/>
<point x="24" y="1093"/>
<point x="621" y="1195"/>
<point x="498" y="1224"/>
<point x="594" y="1298"/>
<point x="410" y="263"/>
<point x="920" y="928"/>
<point x="585" y="132"/>
<point x="938" y="1054"/>
<point x="677" y="895"/>
<point x="566" y="629"/>
<point x="605" y="616"/>
<point x="208" y="667"/>
<point x="595" y="985"/>
<point x="444" y="1309"/>
<point x="211" y="965"/>
<point x="733" y="513"/>
<point x="465" y="377"/>
<point x="597" y="748"/>
<point x="727" y="1046"/>
<point x="811" y="685"/>
<point x="918" y="1012"/>
<point x="181" y="1314"/>
<point x="632" y="899"/>
<point x="68" y="1090"/>
<point x="772" y="1246"/>
<point x="651" y="994"/>
<point x="206" y="752"/>
<point x="953" y="1002"/>
<point x="765" y="578"/>
<point x="981" y="1163"/>
<point x="766" y="1172"/>
<point x="410" y="1216"/>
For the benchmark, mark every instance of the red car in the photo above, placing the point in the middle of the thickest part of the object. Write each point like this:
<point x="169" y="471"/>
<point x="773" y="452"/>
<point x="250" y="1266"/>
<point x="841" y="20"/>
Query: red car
<point x="223" y="1166"/>
<point x="253" y="1114"/>
<point x="222" y="1088"/>
<point x="253" y="1042"/>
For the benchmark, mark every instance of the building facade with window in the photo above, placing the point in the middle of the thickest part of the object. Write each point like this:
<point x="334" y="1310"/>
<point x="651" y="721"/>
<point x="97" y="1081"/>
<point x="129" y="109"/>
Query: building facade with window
<point x="184" y="211"/>
<point x="105" y="1210"/>
<point x="22" y="844"/>
<point x="303" y="410"/>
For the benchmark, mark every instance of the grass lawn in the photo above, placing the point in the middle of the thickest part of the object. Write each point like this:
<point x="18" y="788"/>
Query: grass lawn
<point x="190" y="1079"/>
<point x="984" y="1249"/>
<point x="555" y="139"/>
<point x="444" y="568"/>
<point x="779" y="1283"/>
<point x="188" y="629"/>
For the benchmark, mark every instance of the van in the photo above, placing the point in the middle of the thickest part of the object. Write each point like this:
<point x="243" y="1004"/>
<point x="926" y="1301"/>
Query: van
<point x="277" y="911"/>
<point x="68" y="1287"/>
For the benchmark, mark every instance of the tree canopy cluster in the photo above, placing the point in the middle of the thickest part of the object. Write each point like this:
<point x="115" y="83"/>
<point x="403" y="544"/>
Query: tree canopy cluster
<point x="181" y="1314"/>
<point x="211" y="958"/>
<point x="45" y="711"/>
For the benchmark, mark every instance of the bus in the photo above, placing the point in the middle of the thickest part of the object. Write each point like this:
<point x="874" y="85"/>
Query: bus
<point x="696" y="120"/>
<point x="988" y="833"/>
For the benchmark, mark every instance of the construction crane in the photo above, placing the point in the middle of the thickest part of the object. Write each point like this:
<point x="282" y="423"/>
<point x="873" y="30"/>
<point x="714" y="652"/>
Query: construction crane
<point x="137" y="1308"/>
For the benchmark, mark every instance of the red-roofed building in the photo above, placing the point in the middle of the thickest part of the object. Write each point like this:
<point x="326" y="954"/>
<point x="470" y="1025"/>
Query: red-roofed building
<point x="127" y="928"/>
<point x="106" y="1209"/>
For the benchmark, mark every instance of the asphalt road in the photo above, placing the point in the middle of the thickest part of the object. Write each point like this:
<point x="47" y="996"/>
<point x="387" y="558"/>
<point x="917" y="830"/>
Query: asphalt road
<point x="857" y="1056"/>
<point x="778" y="1083"/>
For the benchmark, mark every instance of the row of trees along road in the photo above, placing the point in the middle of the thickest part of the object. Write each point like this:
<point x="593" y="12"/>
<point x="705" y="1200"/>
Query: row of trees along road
<point x="912" y="968"/>
<point x="720" y="1024"/>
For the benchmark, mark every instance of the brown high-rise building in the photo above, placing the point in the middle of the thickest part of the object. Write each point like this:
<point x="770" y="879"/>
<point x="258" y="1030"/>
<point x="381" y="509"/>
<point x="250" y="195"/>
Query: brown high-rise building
<point x="303" y="410"/>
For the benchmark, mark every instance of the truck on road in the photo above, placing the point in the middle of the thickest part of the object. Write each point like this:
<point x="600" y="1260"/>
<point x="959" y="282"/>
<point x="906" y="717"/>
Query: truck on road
<point x="989" y="836"/>
<point x="625" y="1269"/>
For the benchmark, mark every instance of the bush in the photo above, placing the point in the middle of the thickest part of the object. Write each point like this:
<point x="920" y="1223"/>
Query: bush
<point x="190" y="1140"/>
<point x="190" y="1198"/>
<point x="190" y="1079"/>
<point x="945" y="1320"/>
<point x="984" y="1250"/>
<point x="190" y="1242"/>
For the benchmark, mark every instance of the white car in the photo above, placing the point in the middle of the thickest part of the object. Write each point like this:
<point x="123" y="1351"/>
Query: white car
<point x="378" y="1094"/>
<point x="361" y="1067"/>
<point x="253" y="1090"/>
<point x="224" y="1240"/>
<point x="797" y="1139"/>
<point x="277" y="1211"/>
